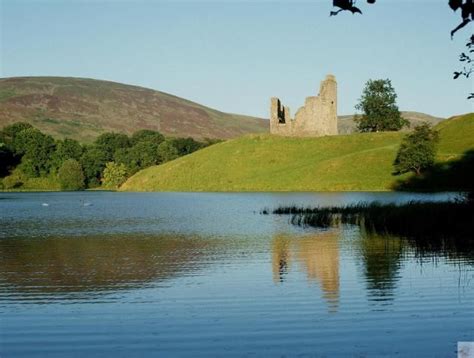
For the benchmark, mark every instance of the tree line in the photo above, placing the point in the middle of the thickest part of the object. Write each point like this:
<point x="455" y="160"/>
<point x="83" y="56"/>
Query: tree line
<point x="27" y="153"/>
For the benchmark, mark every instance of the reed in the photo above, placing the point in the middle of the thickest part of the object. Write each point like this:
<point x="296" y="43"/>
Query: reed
<point x="412" y="219"/>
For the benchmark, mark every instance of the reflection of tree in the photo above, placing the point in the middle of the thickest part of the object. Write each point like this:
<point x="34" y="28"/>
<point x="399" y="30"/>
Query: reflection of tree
<point x="280" y="258"/>
<point x="381" y="256"/>
<point x="319" y="257"/>
<point x="67" y="265"/>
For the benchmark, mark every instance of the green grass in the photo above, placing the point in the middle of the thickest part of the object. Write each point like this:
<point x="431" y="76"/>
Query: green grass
<point x="271" y="163"/>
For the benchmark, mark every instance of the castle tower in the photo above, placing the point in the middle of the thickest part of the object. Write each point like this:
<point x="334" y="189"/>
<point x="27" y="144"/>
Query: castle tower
<point x="328" y="97"/>
<point x="318" y="116"/>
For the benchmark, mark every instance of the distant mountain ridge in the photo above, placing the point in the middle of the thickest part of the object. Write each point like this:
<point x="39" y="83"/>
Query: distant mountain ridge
<point x="84" y="108"/>
<point x="347" y="125"/>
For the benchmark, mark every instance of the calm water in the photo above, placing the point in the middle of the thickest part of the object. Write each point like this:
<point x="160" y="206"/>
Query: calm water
<point x="127" y="275"/>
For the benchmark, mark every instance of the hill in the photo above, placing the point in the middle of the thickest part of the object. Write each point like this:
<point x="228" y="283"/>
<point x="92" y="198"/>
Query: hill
<point x="346" y="124"/>
<point x="84" y="108"/>
<point x="360" y="161"/>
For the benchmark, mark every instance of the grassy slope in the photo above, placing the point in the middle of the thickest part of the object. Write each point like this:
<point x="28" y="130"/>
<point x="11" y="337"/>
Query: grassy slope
<point x="84" y="108"/>
<point x="270" y="163"/>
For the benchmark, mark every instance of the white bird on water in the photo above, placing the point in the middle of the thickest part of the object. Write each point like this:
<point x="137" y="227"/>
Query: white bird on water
<point x="45" y="204"/>
<point x="85" y="203"/>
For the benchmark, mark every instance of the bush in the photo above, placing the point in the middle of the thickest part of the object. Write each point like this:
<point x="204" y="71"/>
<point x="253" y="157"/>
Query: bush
<point x="71" y="176"/>
<point x="114" y="175"/>
<point x="417" y="151"/>
<point x="15" y="180"/>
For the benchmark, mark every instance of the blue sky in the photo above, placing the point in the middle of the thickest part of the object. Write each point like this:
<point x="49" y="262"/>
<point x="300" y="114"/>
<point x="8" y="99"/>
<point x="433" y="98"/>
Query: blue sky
<point x="235" y="55"/>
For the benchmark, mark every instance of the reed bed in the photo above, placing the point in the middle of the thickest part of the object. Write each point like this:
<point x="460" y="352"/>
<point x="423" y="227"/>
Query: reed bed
<point x="412" y="219"/>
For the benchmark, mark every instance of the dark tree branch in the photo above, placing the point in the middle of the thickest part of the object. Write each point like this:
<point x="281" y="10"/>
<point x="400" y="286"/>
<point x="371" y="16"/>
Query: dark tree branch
<point x="467" y="15"/>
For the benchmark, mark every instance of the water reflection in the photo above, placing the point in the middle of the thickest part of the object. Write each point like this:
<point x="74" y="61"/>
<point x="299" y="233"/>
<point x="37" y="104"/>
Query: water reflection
<point x="381" y="258"/>
<point x="65" y="265"/>
<point x="316" y="255"/>
<point x="189" y="274"/>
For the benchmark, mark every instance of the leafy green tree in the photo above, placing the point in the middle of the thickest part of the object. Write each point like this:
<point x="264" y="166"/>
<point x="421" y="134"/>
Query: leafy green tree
<point x="71" y="176"/>
<point x="36" y="149"/>
<point x="114" y="175"/>
<point x="142" y="155"/>
<point x="379" y="108"/>
<point x="417" y="151"/>
<point x="93" y="162"/>
<point x="110" y="142"/>
<point x="186" y="145"/>
<point x="66" y="149"/>
<point x="167" y="151"/>
<point x="146" y="135"/>
<point x="10" y="133"/>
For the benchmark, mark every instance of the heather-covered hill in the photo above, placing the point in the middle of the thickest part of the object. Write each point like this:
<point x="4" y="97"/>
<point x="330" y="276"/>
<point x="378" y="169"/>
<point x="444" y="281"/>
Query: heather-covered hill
<point x="82" y="109"/>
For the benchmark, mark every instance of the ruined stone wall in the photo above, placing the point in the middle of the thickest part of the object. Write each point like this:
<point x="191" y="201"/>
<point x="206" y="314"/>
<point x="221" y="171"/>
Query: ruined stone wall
<point x="318" y="116"/>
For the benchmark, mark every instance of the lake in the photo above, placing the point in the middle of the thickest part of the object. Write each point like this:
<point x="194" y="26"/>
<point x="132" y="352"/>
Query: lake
<point x="90" y="274"/>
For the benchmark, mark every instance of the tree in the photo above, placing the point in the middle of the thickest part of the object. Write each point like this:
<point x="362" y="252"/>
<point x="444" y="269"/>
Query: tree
<point x="71" y="176"/>
<point x="146" y="135"/>
<point x="417" y="151"/>
<point x="186" y="145"/>
<point x="66" y="149"/>
<point x="110" y="142"/>
<point x="142" y="155"/>
<point x="466" y="8"/>
<point x="114" y="175"/>
<point x="379" y="108"/>
<point x="167" y="151"/>
<point x="36" y="149"/>
<point x="468" y="62"/>
<point x="93" y="162"/>
<point x="10" y="133"/>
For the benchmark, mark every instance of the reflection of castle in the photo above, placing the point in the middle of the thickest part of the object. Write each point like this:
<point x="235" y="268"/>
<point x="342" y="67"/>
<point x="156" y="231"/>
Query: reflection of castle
<point x="318" y="255"/>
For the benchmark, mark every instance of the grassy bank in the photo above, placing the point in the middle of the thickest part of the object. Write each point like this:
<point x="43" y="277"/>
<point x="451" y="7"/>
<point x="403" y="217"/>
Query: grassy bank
<point x="270" y="163"/>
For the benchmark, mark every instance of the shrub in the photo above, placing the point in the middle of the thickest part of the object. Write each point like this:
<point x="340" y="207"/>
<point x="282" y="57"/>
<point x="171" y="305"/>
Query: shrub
<point x="114" y="175"/>
<point x="71" y="176"/>
<point x="15" y="180"/>
<point x="417" y="151"/>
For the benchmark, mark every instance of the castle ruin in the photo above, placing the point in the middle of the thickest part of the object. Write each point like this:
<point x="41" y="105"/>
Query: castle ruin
<point x="318" y="116"/>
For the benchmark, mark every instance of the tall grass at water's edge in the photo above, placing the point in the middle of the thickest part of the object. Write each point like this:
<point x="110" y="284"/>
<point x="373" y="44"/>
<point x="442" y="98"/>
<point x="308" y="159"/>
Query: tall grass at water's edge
<point x="413" y="219"/>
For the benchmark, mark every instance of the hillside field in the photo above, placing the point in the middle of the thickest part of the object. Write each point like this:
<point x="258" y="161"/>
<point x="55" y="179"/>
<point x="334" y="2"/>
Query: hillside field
<point x="269" y="163"/>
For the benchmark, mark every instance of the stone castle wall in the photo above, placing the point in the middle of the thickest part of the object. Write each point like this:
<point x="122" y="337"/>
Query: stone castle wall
<point x="318" y="116"/>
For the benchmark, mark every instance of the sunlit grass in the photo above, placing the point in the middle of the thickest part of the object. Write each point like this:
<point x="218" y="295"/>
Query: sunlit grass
<point x="271" y="163"/>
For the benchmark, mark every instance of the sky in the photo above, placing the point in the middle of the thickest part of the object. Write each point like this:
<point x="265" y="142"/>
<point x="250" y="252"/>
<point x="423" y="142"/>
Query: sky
<point x="234" y="55"/>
